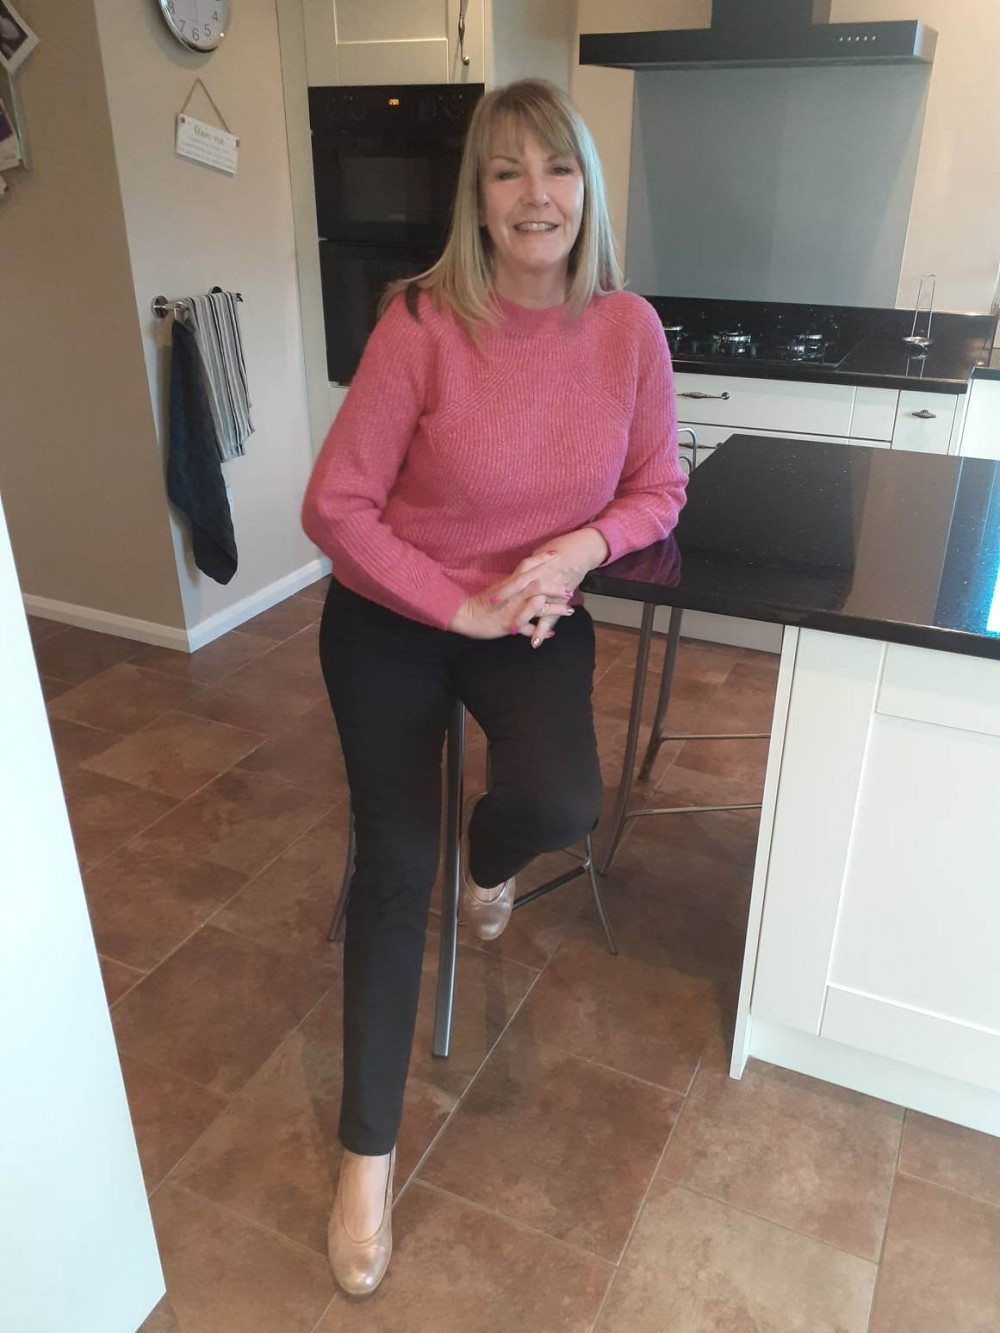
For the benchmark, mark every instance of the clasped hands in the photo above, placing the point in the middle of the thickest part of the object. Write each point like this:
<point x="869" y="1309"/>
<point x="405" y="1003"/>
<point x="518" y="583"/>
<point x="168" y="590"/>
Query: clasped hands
<point x="532" y="600"/>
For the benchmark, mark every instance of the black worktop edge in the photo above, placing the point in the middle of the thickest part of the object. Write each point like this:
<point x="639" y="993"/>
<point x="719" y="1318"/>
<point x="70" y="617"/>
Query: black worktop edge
<point x="817" y="375"/>
<point x="961" y="642"/>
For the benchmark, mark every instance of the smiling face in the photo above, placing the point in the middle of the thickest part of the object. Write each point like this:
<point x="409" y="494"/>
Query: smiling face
<point x="531" y="203"/>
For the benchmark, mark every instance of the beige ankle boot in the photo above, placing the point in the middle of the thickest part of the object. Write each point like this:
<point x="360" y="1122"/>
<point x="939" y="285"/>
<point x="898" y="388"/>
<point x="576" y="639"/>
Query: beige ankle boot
<point x="485" y="911"/>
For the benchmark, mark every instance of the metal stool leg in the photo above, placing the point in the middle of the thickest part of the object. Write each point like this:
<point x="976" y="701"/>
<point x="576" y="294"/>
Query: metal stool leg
<point x="618" y="819"/>
<point x="336" y="931"/>
<point x="666" y="682"/>
<point x="595" y="888"/>
<point x="452" y="875"/>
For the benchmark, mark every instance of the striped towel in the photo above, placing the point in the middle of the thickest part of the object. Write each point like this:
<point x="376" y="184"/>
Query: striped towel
<point x="216" y="329"/>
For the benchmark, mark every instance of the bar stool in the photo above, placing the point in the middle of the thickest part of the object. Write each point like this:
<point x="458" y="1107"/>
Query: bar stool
<point x="448" y="955"/>
<point x="623" y="815"/>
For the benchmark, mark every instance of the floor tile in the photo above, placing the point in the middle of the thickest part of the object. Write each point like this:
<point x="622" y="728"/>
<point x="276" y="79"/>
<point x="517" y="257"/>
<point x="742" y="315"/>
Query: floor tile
<point x="168" y="1115"/>
<point x="290" y="904"/>
<point x="280" y="622"/>
<point x="216" y="1009"/>
<point x="224" y="1275"/>
<point x="241" y="821"/>
<point x="307" y="754"/>
<point x="52" y="688"/>
<point x="648" y="1021"/>
<point x="121" y="699"/>
<point x="318" y="590"/>
<point x="207" y="665"/>
<point x="556" y="1143"/>
<point x="950" y="1155"/>
<point x="262" y="696"/>
<point x="487" y="993"/>
<point x="695" y="1265"/>
<point x="78" y="654"/>
<point x="41" y="629"/>
<point x="118" y="978"/>
<point x="940" y="1269"/>
<point x="274" y="1156"/>
<point x="455" y="1267"/>
<point x="794" y="1150"/>
<point x="74" y="743"/>
<point x="176" y="754"/>
<point x="105" y="813"/>
<point x="144" y="902"/>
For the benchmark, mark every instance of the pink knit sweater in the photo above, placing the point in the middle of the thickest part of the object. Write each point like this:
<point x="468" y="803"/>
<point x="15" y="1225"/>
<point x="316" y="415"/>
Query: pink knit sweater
<point x="447" y="465"/>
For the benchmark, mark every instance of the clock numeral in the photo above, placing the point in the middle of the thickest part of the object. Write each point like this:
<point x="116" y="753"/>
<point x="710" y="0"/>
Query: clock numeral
<point x="207" y="31"/>
<point x="195" y="35"/>
<point x="215" y="16"/>
<point x="181" y="23"/>
<point x="170" y="6"/>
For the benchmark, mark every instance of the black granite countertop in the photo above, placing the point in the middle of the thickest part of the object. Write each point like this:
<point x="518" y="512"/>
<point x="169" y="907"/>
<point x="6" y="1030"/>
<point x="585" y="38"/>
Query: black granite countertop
<point x="874" y="352"/>
<point x="990" y="370"/>
<point x="896" y="546"/>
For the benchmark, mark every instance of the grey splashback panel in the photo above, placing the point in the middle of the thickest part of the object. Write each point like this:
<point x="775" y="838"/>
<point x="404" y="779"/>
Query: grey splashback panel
<point x="773" y="184"/>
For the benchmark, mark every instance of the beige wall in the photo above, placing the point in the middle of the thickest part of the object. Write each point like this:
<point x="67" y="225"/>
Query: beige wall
<point x="954" y="227"/>
<point x="80" y="470"/>
<point x="189" y="228"/>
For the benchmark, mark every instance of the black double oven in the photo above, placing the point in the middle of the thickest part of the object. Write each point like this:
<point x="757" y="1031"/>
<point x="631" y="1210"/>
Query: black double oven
<point x="385" y="162"/>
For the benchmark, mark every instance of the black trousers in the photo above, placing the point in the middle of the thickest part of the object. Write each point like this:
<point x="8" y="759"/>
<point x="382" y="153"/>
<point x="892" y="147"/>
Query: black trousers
<point x="392" y="683"/>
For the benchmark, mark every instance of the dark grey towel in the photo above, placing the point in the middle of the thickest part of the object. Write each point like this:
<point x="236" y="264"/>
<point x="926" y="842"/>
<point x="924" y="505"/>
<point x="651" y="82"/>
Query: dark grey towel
<point x="195" y="482"/>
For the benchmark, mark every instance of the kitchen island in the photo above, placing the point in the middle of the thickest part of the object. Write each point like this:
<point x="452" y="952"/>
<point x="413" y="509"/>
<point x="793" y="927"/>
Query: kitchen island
<point x="873" y="941"/>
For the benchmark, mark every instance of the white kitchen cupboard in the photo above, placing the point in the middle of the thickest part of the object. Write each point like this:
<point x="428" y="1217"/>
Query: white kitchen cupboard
<point x="417" y="41"/>
<point x="981" y="435"/>
<point x="724" y="404"/>
<point x="878" y="873"/>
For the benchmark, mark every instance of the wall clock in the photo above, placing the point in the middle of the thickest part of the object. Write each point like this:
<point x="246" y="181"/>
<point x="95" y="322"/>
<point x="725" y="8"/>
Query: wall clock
<point x="200" y="25"/>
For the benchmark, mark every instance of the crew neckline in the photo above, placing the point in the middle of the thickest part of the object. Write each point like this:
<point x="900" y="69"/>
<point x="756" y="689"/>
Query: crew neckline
<point x="530" y="321"/>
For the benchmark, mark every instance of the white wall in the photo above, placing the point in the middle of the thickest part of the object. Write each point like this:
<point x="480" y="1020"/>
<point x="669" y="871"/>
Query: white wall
<point x="80" y="469"/>
<point x="189" y="228"/>
<point x="77" y="1249"/>
<point x="954" y="223"/>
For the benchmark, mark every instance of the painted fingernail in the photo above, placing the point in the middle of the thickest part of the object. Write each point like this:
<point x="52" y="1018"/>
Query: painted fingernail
<point x="535" y="641"/>
<point x="493" y="600"/>
<point x="568" y="592"/>
<point x="551" y="552"/>
<point x="551" y="634"/>
<point x="514" y="629"/>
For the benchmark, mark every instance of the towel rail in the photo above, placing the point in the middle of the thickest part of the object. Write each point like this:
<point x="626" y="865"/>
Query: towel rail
<point x="162" y="307"/>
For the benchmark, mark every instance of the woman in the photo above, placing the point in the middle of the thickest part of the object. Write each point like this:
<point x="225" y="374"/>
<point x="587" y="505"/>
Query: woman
<point x="511" y="427"/>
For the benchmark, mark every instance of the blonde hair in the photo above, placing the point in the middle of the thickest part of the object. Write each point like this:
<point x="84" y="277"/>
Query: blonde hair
<point x="462" y="279"/>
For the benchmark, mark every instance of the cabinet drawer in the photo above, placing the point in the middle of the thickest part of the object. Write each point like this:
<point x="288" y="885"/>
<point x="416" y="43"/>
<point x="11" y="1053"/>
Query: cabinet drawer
<point x="775" y="406"/>
<point x="924" y="422"/>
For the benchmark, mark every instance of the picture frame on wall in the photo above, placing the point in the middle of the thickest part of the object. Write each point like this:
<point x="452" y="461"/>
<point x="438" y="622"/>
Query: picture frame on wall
<point x="17" y="40"/>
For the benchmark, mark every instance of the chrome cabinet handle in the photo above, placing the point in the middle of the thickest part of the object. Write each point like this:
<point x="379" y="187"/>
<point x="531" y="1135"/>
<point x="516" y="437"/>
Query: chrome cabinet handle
<point x="461" y="33"/>
<point x="696" y="393"/>
<point x="924" y="415"/>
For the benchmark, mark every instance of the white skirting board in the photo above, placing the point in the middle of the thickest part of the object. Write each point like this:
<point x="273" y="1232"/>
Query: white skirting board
<point x="169" y="636"/>
<point x="877" y="1075"/>
<point x="697" y="624"/>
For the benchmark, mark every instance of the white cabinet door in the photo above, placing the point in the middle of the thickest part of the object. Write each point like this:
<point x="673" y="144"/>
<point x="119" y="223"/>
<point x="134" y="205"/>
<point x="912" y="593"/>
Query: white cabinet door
<point x="924" y="422"/>
<point x="881" y="908"/>
<point x="981" y="436"/>
<point x="776" y="406"/>
<point x="392" y="41"/>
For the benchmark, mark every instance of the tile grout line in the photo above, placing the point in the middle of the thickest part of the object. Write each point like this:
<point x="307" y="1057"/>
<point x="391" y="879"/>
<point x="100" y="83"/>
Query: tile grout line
<point x="519" y="1225"/>
<point x="885" y="1224"/>
<point x="949" y="1189"/>
<point x="190" y="935"/>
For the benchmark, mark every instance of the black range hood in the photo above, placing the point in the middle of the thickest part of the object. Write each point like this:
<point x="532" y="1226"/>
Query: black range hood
<point x="746" y="33"/>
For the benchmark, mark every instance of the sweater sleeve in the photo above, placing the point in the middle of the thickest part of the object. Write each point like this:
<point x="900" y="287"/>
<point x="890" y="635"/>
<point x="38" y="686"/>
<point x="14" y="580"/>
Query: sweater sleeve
<point x="651" y="492"/>
<point x="358" y="466"/>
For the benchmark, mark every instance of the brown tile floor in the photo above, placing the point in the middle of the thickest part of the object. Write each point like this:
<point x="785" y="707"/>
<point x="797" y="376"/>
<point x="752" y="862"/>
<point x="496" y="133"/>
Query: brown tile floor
<point x="582" y="1161"/>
